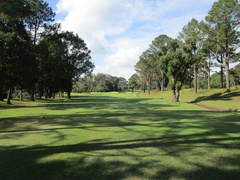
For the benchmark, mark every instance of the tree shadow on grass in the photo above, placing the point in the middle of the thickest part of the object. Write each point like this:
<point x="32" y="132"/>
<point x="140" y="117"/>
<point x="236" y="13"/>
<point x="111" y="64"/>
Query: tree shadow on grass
<point x="153" y="143"/>
<point x="137" y="158"/>
<point x="175" y="122"/>
<point x="101" y="102"/>
<point x="20" y="162"/>
<point x="218" y="96"/>
<point x="221" y="172"/>
<point x="224" y="123"/>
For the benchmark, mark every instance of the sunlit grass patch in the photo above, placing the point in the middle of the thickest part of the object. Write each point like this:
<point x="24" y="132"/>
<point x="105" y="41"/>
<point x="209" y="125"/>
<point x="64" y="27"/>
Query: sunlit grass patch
<point x="213" y="97"/>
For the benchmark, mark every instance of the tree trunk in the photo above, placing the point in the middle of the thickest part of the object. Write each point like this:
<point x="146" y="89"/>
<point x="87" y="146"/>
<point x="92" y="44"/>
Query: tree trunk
<point x="21" y="96"/>
<point x="178" y="95"/>
<point x="209" y="81"/>
<point x="50" y="93"/>
<point x="174" y="91"/>
<point x="1" y="94"/>
<point x="221" y="76"/>
<point x="148" y="85"/>
<point x="226" y="60"/>
<point x="157" y="86"/>
<point x="46" y="93"/>
<point x="209" y="73"/>
<point x="148" y="89"/>
<point x="9" y="96"/>
<point x="163" y="81"/>
<point x="175" y="96"/>
<point x="69" y="94"/>
<point x="195" y="78"/>
<point x="33" y="94"/>
<point x="40" y="93"/>
<point x="221" y="72"/>
<point x="227" y="74"/>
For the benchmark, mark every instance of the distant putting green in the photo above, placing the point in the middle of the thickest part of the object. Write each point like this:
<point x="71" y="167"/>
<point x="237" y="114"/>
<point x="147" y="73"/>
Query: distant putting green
<point x="117" y="136"/>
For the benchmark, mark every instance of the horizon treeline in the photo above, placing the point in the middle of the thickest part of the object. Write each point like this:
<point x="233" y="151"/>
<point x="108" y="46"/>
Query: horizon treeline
<point x="100" y="83"/>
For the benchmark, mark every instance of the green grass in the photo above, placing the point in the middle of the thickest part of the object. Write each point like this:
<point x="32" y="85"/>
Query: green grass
<point x="117" y="136"/>
<point x="213" y="97"/>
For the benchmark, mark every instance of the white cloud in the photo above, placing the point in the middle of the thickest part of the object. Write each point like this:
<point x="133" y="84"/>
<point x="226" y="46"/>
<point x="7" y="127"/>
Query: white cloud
<point x="119" y="72"/>
<point x="118" y="31"/>
<point x="121" y="63"/>
<point x="123" y="57"/>
<point x="92" y="20"/>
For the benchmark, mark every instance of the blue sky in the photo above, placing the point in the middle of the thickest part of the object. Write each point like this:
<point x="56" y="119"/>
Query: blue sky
<point x="118" y="31"/>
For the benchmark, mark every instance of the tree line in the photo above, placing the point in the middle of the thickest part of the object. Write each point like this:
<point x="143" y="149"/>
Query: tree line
<point x="136" y="83"/>
<point x="174" y="63"/>
<point x="36" y="56"/>
<point x="100" y="83"/>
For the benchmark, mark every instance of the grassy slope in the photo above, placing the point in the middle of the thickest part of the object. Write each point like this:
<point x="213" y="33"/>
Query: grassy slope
<point x="213" y="97"/>
<point x="117" y="136"/>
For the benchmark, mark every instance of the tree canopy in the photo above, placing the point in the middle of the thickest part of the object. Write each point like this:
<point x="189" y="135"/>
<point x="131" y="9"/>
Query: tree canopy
<point x="190" y="56"/>
<point x="39" y="62"/>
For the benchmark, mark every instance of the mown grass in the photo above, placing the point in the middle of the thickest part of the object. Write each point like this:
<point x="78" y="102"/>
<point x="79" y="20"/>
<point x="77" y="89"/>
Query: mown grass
<point x="117" y="136"/>
<point x="213" y="97"/>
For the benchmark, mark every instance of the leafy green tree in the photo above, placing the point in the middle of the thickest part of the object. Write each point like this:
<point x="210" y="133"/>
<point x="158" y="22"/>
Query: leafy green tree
<point x="133" y="82"/>
<point x="158" y="49"/>
<point x="100" y="83"/>
<point x="176" y="64"/>
<point x="51" y="61"/>
<point x="106" y="83"/>
<point x="89" y="83"/>
<point x="84" y="84"/>
<point x="78" y="59"/>
<point x="122" y="84"/>
<point x="115" y="81"/>
<point x="203" y="81"/>
<point x="212" y="47"/>
<point x="63" y="58"/>
<point x="192" y="36"/>
<point x="235" y="75"/>
<point x="41" y="13"/>
<point x="55" y="61"/>
<point x="145" y="68"/>
<point x="210" y="50"/>
<point x="15" y="47"/>
<point x="224" y="17"/>
<point x="215" y="80"/>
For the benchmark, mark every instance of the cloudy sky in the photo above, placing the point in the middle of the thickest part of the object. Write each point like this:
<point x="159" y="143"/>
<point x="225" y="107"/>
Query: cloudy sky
<point x="118" y="31"/>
